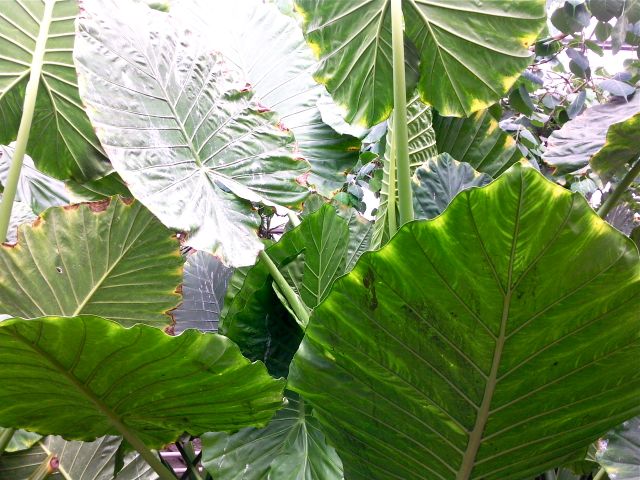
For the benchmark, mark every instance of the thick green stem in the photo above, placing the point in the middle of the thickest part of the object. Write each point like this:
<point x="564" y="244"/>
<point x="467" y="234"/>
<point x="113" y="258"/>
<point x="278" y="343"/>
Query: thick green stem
<point x="400" y="133"/>
<point x="392" y="193"/>
<point x="5" y="438"/>
<point x="47" y="467"/>
<point x="149" y="456"/>
<point x="291" y="296"/>
<point x="614" y="197"/>
<point x="600" y="475"/>
<point x="31" y="92"/>
<point x="293" y="218"/>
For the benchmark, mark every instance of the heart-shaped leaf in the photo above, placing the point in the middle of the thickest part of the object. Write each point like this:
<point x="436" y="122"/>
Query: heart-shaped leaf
<point x="103" y="379"/>
<point x="462" y="349"/>
<point x="456" y="41"/>
<point x="181" y="130"/>
<point x="112" y="259"/>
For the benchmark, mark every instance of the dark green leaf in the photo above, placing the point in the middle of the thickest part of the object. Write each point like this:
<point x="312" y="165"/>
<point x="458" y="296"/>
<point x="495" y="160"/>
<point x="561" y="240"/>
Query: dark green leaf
<point x="520" y="100"/>
<point x="111" y="259"/>
<point x="463" y="350"/>
<point x="617" y="88"/>
<point x="190" y="144"/>
<point x="455" y="41"/>
<point x="99" y="189"/>
<point x="62" y="141"/>
<point x="576" y="106"/>
<point x="438" y="180"/>
<point x="94" y="374"/>
<point x="571" y="18"/>
<point x="605" y="10"/>
<point x="603" y="31"/>
<point x="291" y="447"/>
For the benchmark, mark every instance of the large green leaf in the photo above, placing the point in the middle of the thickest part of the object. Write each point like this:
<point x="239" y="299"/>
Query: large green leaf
<point x="291" y="447"/>
<point x="181" y="130"/>
<point x="78" y="461"/>
<point x="605" y="134"/>
<point x="203" y="289"/>
<point x="478" y="141"/>
<point x="62" y="142"/>
<point x="463" y="349"/>
<point x="422" y="147"/>
<point x="438" y="181"/>
<point x="456" y="41"/>
<point x="270" y="49"/>
<point x="103" y="379"/>
<point x="311" y="256"/>
<point x="112" y="259"/>
<point x="35" y="189"/>
<point x="619" y="451"/>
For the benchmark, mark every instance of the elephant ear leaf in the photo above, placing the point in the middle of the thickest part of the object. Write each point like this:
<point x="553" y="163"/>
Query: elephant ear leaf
<point x="619" y="451"/>
<point x="62" y="141"/>
<point x="110" y="258"/>
<point x="181" y="129"/>
<point x="104" y="379"/>
<point x="448" y="352"/>
<point x="455" y="42"/>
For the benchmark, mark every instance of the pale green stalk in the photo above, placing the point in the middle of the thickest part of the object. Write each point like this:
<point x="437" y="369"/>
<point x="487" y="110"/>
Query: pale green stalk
<point x="392" y="193"/>
<point x="600" y="475"/>
<point x="613" y="199"/>
<point x="31" y="92"/>
<point x="400" y="133"/>
<point x="294" y="301"/>
<point x="293" y="218"/>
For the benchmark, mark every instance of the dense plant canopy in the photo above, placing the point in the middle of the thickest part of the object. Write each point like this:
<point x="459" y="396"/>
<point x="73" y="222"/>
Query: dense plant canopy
<point x="319" y="239"/>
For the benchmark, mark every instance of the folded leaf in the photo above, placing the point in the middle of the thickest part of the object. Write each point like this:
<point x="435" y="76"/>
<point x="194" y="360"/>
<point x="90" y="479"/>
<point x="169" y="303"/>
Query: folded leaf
<point x="180" y="127"/>
<point x="456" y="42"/>
<point x="103" y="379"/>
<point x="61" y="142"/>
<point x="462" y="349"/>
<point x="112" y="259"/>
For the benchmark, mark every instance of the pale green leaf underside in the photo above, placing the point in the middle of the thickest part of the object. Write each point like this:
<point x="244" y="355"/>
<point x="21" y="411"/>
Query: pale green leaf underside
<point x="94" y="373"/>
<point x="78" y="461"/>
<point x="114" y="260"/>
<point x="62" y="142"/>
<point x="463" y="350"/>
<point x="456" y="41"/>
<point x="180" y="130"/>
<point x="270" y="50"/>
<point x="290" y="447"/>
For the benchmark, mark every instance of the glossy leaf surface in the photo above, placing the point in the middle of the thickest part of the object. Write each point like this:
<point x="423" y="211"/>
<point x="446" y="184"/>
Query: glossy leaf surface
<point x="462" y="349"/>
<point x="181" y="129"/>
<point x="101" y="378"/>
<point x="62" y="141"/>
<point x="456" y="41"/>
<point x="111" y="259"/>
<point x="619" y="451"/>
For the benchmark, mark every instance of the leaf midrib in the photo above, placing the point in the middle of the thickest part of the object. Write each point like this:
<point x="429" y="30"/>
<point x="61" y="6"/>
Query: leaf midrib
<point x="475" y="438"/>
